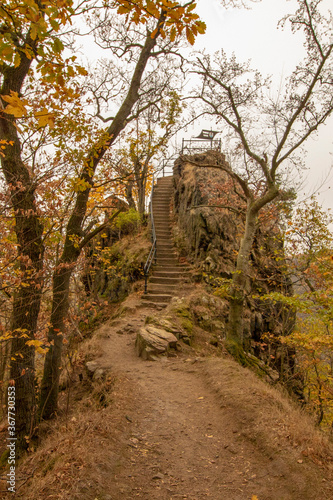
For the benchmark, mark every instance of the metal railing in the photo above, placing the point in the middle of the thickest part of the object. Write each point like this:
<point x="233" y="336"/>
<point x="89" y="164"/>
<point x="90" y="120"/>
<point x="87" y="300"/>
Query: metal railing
<point x="200" y="145"/>
<point x="152" y="253"/>
<point x="166" y="168"/>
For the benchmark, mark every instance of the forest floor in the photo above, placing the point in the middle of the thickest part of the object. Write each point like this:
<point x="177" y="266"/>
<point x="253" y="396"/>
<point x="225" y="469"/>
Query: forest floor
<point x="194" y="426"/>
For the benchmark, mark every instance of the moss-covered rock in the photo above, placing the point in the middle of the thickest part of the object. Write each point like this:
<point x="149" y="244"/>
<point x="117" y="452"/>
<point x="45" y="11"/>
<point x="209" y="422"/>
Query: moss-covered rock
<point x="114" y="265"/>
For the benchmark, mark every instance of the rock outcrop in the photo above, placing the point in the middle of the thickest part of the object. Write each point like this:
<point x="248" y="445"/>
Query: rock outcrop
<point x="152" y="342"/>
<point x="209" y="216"/>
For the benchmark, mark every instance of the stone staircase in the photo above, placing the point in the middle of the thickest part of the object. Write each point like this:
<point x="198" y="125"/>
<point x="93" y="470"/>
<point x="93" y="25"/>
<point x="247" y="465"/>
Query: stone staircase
<point x="167" y="272"/>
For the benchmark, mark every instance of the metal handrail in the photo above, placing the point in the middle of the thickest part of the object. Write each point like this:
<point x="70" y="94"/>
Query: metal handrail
<point x="152" y="253"/>
<point x="200" y="145"/>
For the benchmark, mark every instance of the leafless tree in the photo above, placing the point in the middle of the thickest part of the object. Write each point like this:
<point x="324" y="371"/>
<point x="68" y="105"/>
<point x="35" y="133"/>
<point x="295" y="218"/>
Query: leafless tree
<point x="267" y="135"/>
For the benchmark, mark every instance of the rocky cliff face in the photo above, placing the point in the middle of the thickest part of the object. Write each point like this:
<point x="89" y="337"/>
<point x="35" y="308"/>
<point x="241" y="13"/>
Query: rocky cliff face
<point x="204" y="233"/>
<point x="209" y="220"/>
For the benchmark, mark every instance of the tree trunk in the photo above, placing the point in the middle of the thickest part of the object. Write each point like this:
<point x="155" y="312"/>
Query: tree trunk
<point x="129" y="194"/>
<point x="27" y="296"/>
<point x="238" y="286"/>
<point x="52" y="367"/>
<point x="30" y="252"/>
<point x="141" y="196"/>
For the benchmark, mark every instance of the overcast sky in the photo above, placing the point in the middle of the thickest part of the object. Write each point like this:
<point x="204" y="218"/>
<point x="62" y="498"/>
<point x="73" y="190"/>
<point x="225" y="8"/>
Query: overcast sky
<point x="253" y="34"/>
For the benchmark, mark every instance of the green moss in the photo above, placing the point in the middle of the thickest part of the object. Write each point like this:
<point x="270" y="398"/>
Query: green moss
<point x="237" y="351"/>
<point x="150" y="320"/>
<point x="183" y="311"/>
<point x="187" y="325"/>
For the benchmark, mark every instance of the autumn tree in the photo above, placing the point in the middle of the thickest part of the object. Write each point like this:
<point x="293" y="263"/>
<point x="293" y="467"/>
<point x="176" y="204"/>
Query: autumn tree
<point x="32" y="41"/>
<point x="28" y="32"/>
<point x="267" y="134"/>
<point x="309" y="247"/>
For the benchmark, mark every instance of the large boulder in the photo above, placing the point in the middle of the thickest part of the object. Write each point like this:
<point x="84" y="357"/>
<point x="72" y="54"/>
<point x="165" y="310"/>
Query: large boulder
<point x="152" y="342"/>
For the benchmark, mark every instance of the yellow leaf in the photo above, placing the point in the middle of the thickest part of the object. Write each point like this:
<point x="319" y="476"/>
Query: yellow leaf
<point x="123" y="10"/>
<point x="190" y="36"/>
<point x="15" y="106"/>
<point x="154" y="33"/>
<point x="201" y="27"/>
<point x="17" y="60"/>
<point x="44" y="118"/>
<point x="173" y="33"/>
<point x="33" y="32"/>
<point x="153" y="9"/>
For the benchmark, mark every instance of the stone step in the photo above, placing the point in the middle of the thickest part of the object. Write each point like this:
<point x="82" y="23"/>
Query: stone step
<point x="165" y="250"/>
<point x="150" y="303"/>
<point x="160" y="185"/>
<point x="163" y="188"/>
<point x="162" y="287"/>
<point x="164" y="234"/>
<point x="163" y="196"/>
<point x="167" y="280"/>
<point x="157" y="297"/>
<point x="165" y="243"/>
<point x="169" y="270"/>
<point x="167" y="260"/>
<point x="166" y="270"/>
<point x="160" y="254"/>
<point x="165" y="178"/>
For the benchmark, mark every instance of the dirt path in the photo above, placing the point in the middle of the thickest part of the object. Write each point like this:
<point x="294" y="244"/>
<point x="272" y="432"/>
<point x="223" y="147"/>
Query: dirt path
<point x="183" y="427"/>
<point x="183" y="443"/>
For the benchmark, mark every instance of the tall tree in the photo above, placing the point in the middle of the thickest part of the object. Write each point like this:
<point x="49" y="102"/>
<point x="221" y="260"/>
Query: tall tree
<point x="25" y="35"/>
<point x="267" y="135"/>
<point x="31" y="42"/>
